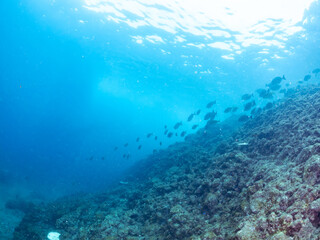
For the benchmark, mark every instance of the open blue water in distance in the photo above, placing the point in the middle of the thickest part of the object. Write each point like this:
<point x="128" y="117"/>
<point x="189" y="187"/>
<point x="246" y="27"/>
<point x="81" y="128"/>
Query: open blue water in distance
<point x="78" y="78"/>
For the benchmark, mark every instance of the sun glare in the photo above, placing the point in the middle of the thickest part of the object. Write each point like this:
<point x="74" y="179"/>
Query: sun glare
<point x="248" y="22"/>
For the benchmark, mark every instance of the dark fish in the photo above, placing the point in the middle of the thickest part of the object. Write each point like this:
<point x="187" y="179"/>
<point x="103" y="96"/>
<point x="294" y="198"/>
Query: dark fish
<point x="277" y="80"/>
<point x="275" y="83"/>
<point x="149" y="135"/>
<point x="176" y="134"/>
<point x="126" y="145"/>
<point x="268" y="105"/>
<point x="170" y="134"/>
<point x="156" y="138"/>
<point x="102" y="158"/>
<point x="115" y="148"/>
<point x="165" y="126"/>
<point x="160" y="143"/>
<point x="166" y="131"/>
<point x="249" y="105"/>
<point x="210" y="115"/>
<point x="213" y="121"/>
<point x="253" y="111"/>
<point x="243" y="118"/>
<point x="207" y="116"/>
<point x="263" y="93"/>
<point x="124" y="155"/>
<point x="246" y="96"/>
<point x="268" y="95"/>
<point x="139" y="147"/>
<point x="137" y="140"/>
<point x="183" y="134"/>
<point x="228" y="109"/>
<point x="128" y="155"/>
<point x="195" y="126"/>
<point x="275" y="87"/>
<point x="177" y="125"/>
<point x="316" y="71"/>
<point x="234" y="109"/>
<point x="91" y="158"/>
<point x="213" y="114"/>
<point x="307" y="77"/>
<point x="198" y="112"/>
<point x="210" y="104"/>
<point x="190" y="117"/>
<point x="300" y="82"/>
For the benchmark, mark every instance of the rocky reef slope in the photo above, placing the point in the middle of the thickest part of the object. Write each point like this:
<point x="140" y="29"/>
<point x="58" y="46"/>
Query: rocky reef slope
<point x="260" y="181"/>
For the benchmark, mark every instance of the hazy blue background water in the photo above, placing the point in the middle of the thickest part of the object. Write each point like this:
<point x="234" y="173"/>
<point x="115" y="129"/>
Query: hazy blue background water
<point x="78" y="78"/>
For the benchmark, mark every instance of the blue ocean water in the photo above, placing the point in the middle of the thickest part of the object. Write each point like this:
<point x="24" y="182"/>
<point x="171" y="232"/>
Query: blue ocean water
<point x="79" y="78"/>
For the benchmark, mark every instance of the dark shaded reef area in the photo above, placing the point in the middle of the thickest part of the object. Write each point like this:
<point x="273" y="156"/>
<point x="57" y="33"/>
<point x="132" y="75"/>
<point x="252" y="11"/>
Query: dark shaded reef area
<point x="259" y="180"/>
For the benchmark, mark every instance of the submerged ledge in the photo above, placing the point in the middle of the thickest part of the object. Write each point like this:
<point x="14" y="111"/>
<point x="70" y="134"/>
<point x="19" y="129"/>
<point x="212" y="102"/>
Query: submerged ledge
<point x="212" y="186"/>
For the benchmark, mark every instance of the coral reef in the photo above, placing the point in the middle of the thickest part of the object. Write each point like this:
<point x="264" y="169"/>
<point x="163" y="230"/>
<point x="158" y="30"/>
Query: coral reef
<point x="210" y="187"/>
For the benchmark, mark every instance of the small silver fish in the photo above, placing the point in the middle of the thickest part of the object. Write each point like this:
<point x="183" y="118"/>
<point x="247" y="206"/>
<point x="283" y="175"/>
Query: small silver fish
<point x="242" y="143"/>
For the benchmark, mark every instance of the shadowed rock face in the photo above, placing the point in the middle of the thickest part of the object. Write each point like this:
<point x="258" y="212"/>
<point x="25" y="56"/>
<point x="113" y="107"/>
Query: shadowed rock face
<point x="20" y="205"/>
<point x="209" y="187"/>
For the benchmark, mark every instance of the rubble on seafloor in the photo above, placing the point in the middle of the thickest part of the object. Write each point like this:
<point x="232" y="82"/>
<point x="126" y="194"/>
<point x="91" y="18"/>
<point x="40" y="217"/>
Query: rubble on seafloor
<point x="210" y="186"/>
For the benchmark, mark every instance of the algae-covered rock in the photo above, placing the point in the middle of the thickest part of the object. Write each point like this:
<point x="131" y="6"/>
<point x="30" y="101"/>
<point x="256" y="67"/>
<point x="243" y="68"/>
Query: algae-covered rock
<point x="306" y="231"/>
<point x="211" y="201"/>
<point x="209" y="236"/>
<point x="312" y="170"/>
<point x="281" y="236"/>
<point x="247" y="232"/>
<point x="258" y="202"/>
